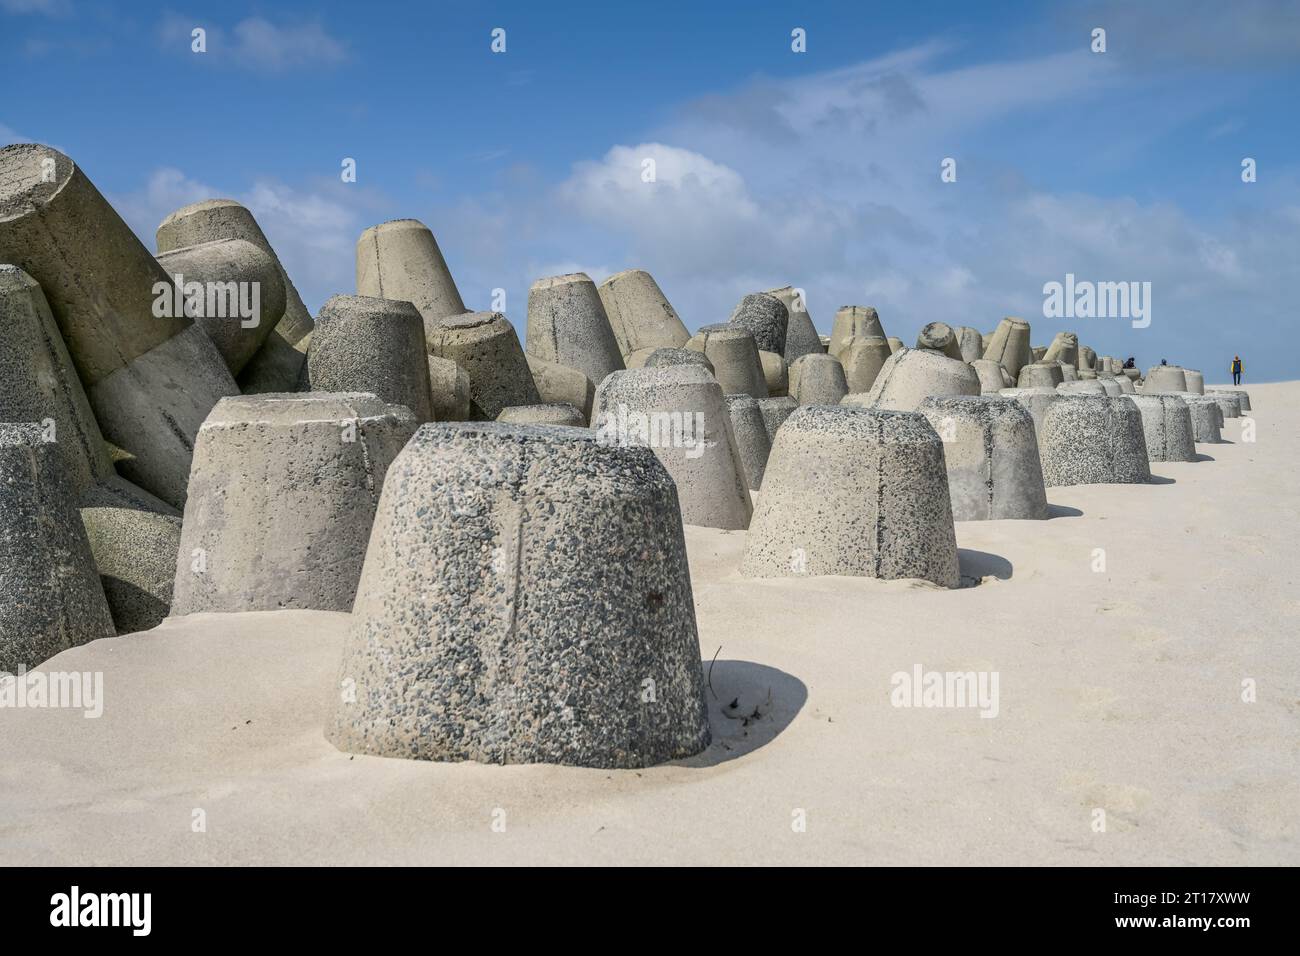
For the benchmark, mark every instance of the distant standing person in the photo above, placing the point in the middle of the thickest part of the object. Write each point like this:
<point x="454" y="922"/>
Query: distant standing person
<point x="1236" y="370"/>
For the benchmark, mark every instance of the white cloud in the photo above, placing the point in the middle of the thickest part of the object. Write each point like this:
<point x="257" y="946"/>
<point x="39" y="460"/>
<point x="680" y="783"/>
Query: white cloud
<point x="256" y="43"/>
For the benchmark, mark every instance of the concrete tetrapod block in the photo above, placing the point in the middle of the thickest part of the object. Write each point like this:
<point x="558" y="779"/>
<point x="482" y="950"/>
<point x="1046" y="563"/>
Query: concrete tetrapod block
<point x="1009" y="345"/>
<point x="801" y="336"/>
<point x="766" y="318"/>
<point x="567" y="325"/>
<point x="1036" y="352"/>
<point x="991" y="453"/>
<point x="1125" y="384"/>
<point x="1242" y="395"/>
<point x="449" y="389"/>
<point x="640" y="314"/>
<point x="971" y="343"/>
<point x="1064" y="349"/>
<point x="818" y="379"/>
<point x="242" y="297"/>
<point x="1167" y="427"/>
<point x="1036" y="401"/>
<point x="776" y="374"/>
<point x="277" y="366"/>
<point x="1229" y="404"/>
<point x="992" y="375"/>
<point x="524" y="589"/>
<point x="1207" y="417"/>
<point x="559" y="384"/>
<point x="679" y="412"/>
<point x="1080" y="387"/>
<point x="1086" y="358"/>
<point x="863" y="358"/>
<point x="660" y="358"/>
<point x="752" y="440"/>
<point x="1110" y="386"/>
<point x="50" y="595"/>
<point x="1040" y="375"/>
<point x="1195" y="381"/>
<point x="939" y="337"/>
<point x="775" y="411"/>
<point x="734" y="355"/>
<point x="401" y="260"/>
<point x="485" y="345"/>
<point x="281" y="501"/>
<point x="910" y="376"/>
<point x="151" y="380"/>
<point x="854" y="321"/>
<point x="1071" y="374"/>
<point x="854" y="491"/>
<point x="1165" y="378"/>
<point x="1093" y="439"/>
<point x="377" y="346"/>
<point x="557" y="413"/>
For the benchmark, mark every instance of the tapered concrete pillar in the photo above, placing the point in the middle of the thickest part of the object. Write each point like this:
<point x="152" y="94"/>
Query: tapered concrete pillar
<point x="801" y="336"/>
<point x="485" y="345"/>
<point x="1064" y="349"/>
<point x="910" y="376"/>
<point x="854" y="491"/>
<point x="776" y="374"/>
<point x="1009" y="345"/>
<point x="401" y="260"/>
<point x="863" y="358"/>
<point x="991" y="374"/>
<point x="1036" y="401"/>
<point x="377" y="346"/>
<point x="1195" y="381"/>
<point x="238" y="297"/>
<point x="1166" y="426"/>
<point x="1086" y="358"/>
<point x="683" y="356"/>
<point x="640" y="314"/>
<point x="751" y="437"/>
<point x="766" y="318"/>
<point x="1207" y="418"/>
<point x="282" y="498"/>
<point x="150" y="377"/>
<point x="1092" y="439"/>
<point x="567" y="325"/>
<point x="971" y="343"/>
<point x="52" y="599"/>
<point x="276" y="367"/>
<point x="991" y="455"/>
<point x="473" y="635"/>
<point x="1040" y="375"/>
<point x="854" y="321"/>
<point x="1165" y="378"/>
<point x="818" y="379"/>
<point x="939" y="337"/>
<point x="734" y="355"/>
<point x="679" y="412"/>
<point x="560" y="384"/>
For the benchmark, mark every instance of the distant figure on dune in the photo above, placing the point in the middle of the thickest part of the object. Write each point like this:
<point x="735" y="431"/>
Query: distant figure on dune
<point x="1131" y="363"/>
<point x="1164" y="362"/>
<point x="1236" y="370"/>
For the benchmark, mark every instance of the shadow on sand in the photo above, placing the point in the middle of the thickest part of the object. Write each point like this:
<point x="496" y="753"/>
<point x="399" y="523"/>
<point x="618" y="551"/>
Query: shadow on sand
<point x="977" y="565"/>
<point x="1062" y="511"/>
<point x="749" y="705"/>
<point x="1161" y="480"/>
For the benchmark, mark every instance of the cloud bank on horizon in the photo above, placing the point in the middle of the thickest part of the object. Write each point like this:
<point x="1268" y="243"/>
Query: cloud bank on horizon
<point x="821" y="171"/>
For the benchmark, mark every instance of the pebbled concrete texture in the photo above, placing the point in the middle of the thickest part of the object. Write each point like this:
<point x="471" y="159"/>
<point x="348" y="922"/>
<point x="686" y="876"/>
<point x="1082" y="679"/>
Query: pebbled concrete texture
<point x="485" y="345"/>
<point x="854" y="321"/>
<point x="801" y="336"/>
<point x="282" y="497"/>
<point x="1040" y="375"/>
<point x="1242" y="395"/>
<point x="449" y="390"/>
<point x="1167" y="427"/>
<point x="560" y="384"/>
<point x="1009" y="345"/>
<point x="526" y="599"/>
<point x="775" y="411"/>
<point x="1207" y="417"/>
<point x="766" y="318"/>
<point x="567" y="325"/>
<point x="556" y="413"/>
<point x="751" y="437"/>
<point x="640" y="314"/>
<point x="1036" y="401"/>
<point x="679" y="411"/>
<point x="818" y="379"/>
<point x="735" y="359"/>
<point x="53" y="599"/>
<point x="991" y="455"/>
<point x="863" y="358"/>
<point x="1093" y="439"/>
<point x="659" y="358"/>
<point x="910" y="376"/>
<point x="1165" y="378"/>
<point x="400" y="259"/>
<point x="854" y="491"/>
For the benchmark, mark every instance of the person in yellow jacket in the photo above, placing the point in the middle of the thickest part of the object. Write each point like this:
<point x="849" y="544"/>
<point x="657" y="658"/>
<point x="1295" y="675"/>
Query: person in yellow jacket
<point x="1236" y="370"/>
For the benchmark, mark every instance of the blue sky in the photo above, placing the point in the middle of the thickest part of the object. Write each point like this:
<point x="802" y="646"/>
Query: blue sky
<point x="817" y="169"/>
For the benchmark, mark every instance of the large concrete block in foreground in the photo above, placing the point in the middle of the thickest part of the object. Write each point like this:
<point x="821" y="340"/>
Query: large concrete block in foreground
<point x="801" y="336"/>
<point x="854" y="491"/>
<point x="1009" y="345"/>
<point x="50" y="595"/>
<point x="567" y="325"/>
<point x="640" y="314"/>
<point x="377" y="346"/>
<point x="910" y="376"/>
<point x="991" y="454"/>
<point x="401" y="260"/>
<point x="277" y="366"/>
<point x="475" y="637"/>
<point x="1167" y="427"/>
<point x="766" y="318"/>
<point x="679" y="412"/>
<point x="1092" y="439"/>
<point x="752" y="440"/>
<point x="151" y="378"/>
<point x="854" y="321"/>
<point x="485" y="345"/>
<point x="734" y="356"/>
<point x="818" y="379"/>
<point x="281" y="501"/>
<point x="244" y="298"/>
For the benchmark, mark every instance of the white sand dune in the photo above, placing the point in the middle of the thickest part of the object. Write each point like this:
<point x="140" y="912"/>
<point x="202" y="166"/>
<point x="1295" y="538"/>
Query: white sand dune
<point x="1119" y="690"/>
